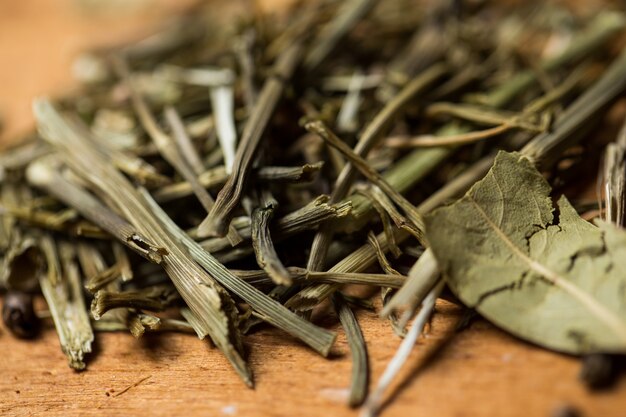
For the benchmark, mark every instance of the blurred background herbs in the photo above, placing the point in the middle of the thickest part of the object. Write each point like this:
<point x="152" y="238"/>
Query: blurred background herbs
<point x="243" y="166"/>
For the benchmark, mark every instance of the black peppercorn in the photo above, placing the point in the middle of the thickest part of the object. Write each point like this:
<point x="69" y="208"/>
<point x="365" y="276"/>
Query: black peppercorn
<point x="18" y="314"/>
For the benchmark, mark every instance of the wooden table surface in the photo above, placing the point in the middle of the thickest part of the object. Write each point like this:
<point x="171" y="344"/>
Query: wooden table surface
<point x="478" y="372"/>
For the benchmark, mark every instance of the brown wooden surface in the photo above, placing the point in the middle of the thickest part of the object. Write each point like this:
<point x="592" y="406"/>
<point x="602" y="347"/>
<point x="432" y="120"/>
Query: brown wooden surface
<point x="479" y="372"/>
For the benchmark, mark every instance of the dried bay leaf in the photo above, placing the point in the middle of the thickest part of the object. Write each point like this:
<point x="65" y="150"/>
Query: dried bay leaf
<point x="538" y="271"/>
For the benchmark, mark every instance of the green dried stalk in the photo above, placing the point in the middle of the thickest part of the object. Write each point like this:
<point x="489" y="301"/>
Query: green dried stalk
<point x="217" y="176"/>
<point x="347" y="16"/>
<point x="615" y="179"/>
<point x="484" y="115"/>
<point x="383" y="262"/>
<point x="342" y="83"/>
<point x="19" y="156"/>
<point x="154" y="298"/>
<point x="386" y="221"/>
<point x="347" y="118"/>
<point x="427" y="46"/>
<point x="273" y="312"/>
<point x="123" y="262"/>
<point x="301" y="276"/>
<point x="131" y="165"/>
<point x="166" y="146"/>
<point x="359" y="163"/>
<point x="102" y="278"/>
<point x="374" y="401"/>
<point x="139" y="323"/>
<point x="600" y="29"/>
<point x="266" y="255"/>
<point x="228" y="198"/>
<point x="209" y="302"/>
<point x="385" y="265"/>
<point x="306" y="218"/>
<point x="365" y="256"/>
<point x="93" y="265"/>
<point x="63" y="293"/>
<point x="207" y="179"/>
<point x="65" y="221"/>
<point x="523" y="120"/>
<point x="187" y="150"/>
<point x="8" y="200"/>
<point x="11" y="204"/>
<point x="220" y="83"/>
<point x="43" y="173"/>
<point x="222" y="101"/>
<point x="398" y="219"/>
<point x="243" y="50"/>
<point x="408" y="171"/>
<point x="451" y="140"/>
<point x="369" y="138"/>
<point x="422" y="277"/>
<point x="95" y="271"/>
<point x="545" y="148"/>
<point x="304" y="173"/>
<point x="90" y="259"/>
<point x="174" y="35"/>
<point x="358" y="349"/>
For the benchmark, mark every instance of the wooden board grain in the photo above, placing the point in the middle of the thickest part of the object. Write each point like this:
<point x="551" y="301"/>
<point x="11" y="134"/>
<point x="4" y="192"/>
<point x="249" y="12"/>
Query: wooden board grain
<point x="478" y="372"/>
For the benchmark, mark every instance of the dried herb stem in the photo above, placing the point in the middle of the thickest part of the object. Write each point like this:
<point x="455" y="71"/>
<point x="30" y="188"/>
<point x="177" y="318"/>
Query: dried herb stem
<point x="422" y="277"/>
<point x="386" y="221"/>
<point x="301" y="276"/>
<point x="95" y="271"/>
<point x="186" y="148"/>
<point x="211" y="304"/>
<point x="369" y="138"/>
<point x="544" y="148"/>
<point x="266" y="255"/>
<point x="349" y="13"/>
<point x="273" y="312"/>
<point x="305" y="218"/>
<point x="228" y="198"/>
<point x="358" y="350"/>
<point x="452" y="140"/>
<point x="62" y="290"/>
<point x="217" y="176"/>
<point x="364" y="257"/>
<point x="374" y="401"/>
<point x="222" y="100"/>
<point x="600" y="29"/>
<point x="155" y="298"/>
<point x="43" y="173"/>
<point x="614" y="176"/>
<point x="320" y="129"/>
<point x="409" y="170"/>
<point x="166" y="146"/>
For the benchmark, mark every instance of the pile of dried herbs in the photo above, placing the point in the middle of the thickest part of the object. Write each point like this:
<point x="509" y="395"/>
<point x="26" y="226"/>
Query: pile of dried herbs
<point x="220" y="175"/>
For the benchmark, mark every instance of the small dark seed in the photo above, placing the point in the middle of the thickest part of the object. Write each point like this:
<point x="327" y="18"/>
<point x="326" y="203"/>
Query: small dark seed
<point x="598" y="370"/>
<point x="18" y="314"/>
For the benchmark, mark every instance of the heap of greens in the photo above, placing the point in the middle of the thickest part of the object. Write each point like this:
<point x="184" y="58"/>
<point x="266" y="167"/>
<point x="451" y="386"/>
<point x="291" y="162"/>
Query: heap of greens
<point x="220" y="175"/>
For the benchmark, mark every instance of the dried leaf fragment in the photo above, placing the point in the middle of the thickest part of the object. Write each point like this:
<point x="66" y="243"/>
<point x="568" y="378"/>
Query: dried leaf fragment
<point x="540" y="272"/>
